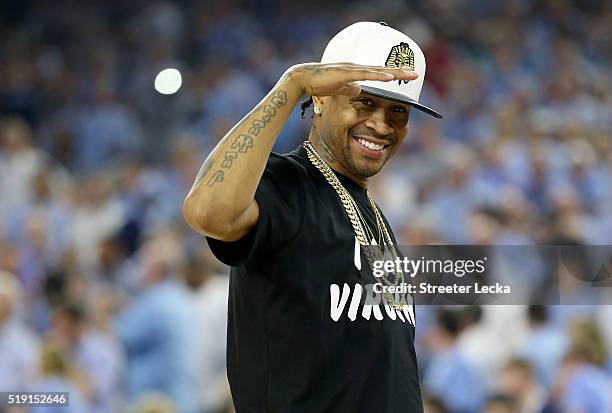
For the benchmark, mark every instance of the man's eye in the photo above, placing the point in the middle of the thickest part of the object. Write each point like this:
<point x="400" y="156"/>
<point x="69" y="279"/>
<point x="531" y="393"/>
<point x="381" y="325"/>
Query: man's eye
<point x="365" y="101"/>
<point x="399" y="109"/>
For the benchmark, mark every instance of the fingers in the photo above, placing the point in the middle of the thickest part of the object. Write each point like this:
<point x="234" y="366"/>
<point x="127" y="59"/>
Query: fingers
<point x="341" y="78"/>
<point x="403" y="74"/>
<point x="361" y="74"/>
<point x="383" y="75"/>
<point x="385" y="69"/>
<point x="350" y="89"/>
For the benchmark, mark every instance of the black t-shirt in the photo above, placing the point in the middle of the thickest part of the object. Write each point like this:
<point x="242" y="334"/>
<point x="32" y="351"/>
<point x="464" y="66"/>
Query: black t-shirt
<point x="285" y="352"/>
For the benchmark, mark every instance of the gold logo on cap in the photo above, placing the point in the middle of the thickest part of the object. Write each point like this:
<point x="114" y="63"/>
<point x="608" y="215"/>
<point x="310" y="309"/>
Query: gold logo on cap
<point x="401" y="56"/>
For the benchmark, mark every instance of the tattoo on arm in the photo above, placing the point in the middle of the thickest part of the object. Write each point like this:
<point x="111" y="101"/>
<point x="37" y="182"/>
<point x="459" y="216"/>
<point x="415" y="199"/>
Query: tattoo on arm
<point x="244" y="141"/>
<point x="204" y="169"/>
<point x="229" y="157"/>
<point x="217" y="177"/>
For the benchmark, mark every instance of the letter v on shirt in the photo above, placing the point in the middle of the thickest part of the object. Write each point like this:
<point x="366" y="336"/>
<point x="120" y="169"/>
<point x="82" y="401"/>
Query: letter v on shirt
<point x="338" y="303"/>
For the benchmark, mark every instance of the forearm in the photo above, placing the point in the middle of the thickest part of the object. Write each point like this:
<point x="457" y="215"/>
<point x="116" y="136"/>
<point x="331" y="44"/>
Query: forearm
<point x="225" y="186"/>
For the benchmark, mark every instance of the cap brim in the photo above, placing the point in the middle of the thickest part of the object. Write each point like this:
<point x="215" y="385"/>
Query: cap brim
<point x="399" y="98"/>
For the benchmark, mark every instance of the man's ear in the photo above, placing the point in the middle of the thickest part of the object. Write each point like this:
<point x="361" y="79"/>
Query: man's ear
<point x="319" y="100"/>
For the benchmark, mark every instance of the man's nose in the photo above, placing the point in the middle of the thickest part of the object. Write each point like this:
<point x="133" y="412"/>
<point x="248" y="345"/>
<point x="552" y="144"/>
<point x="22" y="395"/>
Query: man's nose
<point x="378" y="123"/>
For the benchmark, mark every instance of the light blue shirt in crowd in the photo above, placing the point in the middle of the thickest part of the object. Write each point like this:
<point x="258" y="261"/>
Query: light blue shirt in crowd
<point x="157" y="335"/>
<point x="589" y="390"/>
<point x="460" y="385"/>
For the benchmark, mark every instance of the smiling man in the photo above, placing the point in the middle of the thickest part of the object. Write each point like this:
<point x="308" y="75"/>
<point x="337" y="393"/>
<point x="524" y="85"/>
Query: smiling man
<point x="295" y="229"/>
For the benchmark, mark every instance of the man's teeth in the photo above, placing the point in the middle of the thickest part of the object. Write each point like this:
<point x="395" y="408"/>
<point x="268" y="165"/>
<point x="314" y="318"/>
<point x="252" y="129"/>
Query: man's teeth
<point x="371" y="145"/>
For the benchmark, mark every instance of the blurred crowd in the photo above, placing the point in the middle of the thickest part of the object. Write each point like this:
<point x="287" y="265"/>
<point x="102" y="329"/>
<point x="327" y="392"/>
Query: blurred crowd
<point x="106" y="294"/>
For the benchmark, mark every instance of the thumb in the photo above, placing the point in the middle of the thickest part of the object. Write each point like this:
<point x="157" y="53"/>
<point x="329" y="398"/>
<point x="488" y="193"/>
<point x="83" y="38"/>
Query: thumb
<point x="350" y="89"/>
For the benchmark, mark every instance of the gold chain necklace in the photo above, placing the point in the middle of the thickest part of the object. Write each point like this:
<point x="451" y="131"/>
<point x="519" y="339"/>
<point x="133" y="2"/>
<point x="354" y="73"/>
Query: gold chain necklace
<point x="360" y="226"/>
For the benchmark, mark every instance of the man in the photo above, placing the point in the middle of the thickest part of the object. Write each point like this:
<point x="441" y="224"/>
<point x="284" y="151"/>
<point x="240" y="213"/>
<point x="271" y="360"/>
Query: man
<point x="156" y="328"/>
<point x="517" y="380"/>
<point x="295" y="228"/>
<point x="582" y="383"/>
<point x="19" y="347"/>
<point x="449" y="368"/>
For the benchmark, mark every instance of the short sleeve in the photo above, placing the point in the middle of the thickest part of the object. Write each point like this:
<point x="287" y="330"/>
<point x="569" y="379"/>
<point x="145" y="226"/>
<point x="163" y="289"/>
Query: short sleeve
<point x="280" y="197"/>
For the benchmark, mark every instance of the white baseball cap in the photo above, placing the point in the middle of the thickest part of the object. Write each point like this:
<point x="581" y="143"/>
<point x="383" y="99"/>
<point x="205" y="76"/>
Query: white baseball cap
<point x="377" y="44"/>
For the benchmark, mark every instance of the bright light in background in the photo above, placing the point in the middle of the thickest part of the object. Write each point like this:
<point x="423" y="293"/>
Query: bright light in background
<point x="168" y="81"/>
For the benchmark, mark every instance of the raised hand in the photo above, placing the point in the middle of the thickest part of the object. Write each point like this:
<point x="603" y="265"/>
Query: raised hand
<point x="326" y="79"/>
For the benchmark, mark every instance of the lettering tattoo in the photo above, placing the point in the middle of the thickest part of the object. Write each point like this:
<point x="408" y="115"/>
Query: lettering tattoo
<point x="204" y="169"/>
<point x="217" y="177"/>
<point x="245" y="141"/>
<point x="257" y="126"/>
<point x="280" y="99"/>
<point x="229" y="157"/>
<point x="242" y="143"/>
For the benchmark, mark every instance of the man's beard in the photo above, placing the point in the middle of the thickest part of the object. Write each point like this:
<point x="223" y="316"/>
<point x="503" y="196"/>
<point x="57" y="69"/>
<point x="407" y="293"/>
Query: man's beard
<point x="338" y="151"/>
<point x="362" y="171"/>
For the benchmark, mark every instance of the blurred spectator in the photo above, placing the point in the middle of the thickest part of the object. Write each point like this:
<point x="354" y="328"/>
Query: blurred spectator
<point x="210" y="290"/>
<point x="433" y="405"/>
<point x="544" y="345"/>
<point x="105" y="128"/>
<point x="582" y="384"/>
<point x="56" y="375"/>
<point x="147" y="196"/>
<point x="94" y="354"/>
<point x="19" y="162"/>
<point x="488" y="336"/>
<point x="152" y="403"/>
<point x="517" y="380"/>
<point x="501" y="404"/>
<point x="450" y="369"/>
<point x="97" y="214"/>
<point x="34" y="250"/>
<point x="46" y="190"/>
<point x="116" y="269"/>
<point x="603" y="316"/>
<point x="18" y="344"/>
<point x="455" y="197"/>
<point x="585" y="333"/>
<point x="156" y="328"/>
